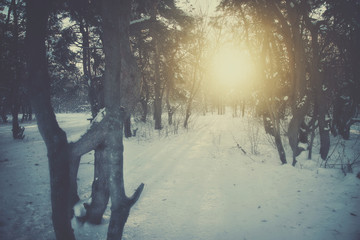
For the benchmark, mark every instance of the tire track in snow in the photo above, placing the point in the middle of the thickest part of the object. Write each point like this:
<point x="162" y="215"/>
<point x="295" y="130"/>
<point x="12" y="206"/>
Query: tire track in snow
<point x="184" y="176"/>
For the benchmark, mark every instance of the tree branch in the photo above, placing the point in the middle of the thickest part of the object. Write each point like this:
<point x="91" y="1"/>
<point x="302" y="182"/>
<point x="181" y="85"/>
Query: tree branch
<point x="133" y="199"/>
<point x="90" y="140"/>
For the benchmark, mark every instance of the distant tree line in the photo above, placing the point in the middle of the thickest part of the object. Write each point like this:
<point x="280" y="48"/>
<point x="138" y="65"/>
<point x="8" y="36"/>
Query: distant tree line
<point x="96" y="51"/>
<point x="116" y="58"/>
<point x="159" y="35"/>
<point x="308" y="53"/>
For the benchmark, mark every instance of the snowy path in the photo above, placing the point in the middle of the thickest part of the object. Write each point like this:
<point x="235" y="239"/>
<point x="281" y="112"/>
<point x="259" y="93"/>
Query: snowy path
<point x="198" y="185"/>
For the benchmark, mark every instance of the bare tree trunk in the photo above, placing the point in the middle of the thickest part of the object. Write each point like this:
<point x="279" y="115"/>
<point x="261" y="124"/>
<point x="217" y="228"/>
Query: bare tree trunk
<point x="157" y="88"/>
<point x="84" y="30"/>
<point x="158" y="82"/>
<point x="271" y="121"/>
<point x="15" y="96"/>
<point x="293" y="131"/>
<point x="324" y="126"/>
<point x="55" y="139"/>
<point x="144" y="107"/>
<point x="144" y="99"/>
<point x="127" y="127"/>
<point x="279" y="147"/>
<point x="187" y="113"/>
<point x="170" y="109"/>
<point x="311" y="143"/>
<point x="122" y="87"/>
<point x="322" y="99"/>
<point x="243" y="103"/>
<point x="100" y="188"/>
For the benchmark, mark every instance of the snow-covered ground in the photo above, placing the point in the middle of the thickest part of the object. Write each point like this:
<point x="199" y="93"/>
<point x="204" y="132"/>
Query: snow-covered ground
<point x="198" y="185"/>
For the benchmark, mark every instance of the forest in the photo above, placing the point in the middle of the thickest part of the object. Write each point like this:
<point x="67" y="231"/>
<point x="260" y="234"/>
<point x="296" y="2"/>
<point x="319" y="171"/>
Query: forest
<point x="292" y="65"/>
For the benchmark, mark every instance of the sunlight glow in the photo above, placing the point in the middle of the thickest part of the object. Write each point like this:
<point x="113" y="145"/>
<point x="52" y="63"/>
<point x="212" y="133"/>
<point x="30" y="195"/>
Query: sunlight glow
<point x="233" y="67"/>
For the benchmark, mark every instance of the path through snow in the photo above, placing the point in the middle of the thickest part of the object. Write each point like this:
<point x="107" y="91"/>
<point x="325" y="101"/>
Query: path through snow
<point x="198" y="185"/>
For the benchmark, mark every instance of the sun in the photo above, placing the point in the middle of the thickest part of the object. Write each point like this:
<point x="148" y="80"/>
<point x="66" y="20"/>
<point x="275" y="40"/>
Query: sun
<point x="233" y="67"/>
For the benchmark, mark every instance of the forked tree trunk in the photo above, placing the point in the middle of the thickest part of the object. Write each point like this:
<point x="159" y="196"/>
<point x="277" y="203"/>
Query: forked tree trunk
<point x="322" y="100"/>
<point x="54" y="138"/>
<point x="122" y="87"/>
<point x="100" y="186"/>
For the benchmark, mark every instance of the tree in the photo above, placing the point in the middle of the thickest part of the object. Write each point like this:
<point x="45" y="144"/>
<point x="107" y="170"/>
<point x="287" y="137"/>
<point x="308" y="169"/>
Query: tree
<point x="12" y="67"/>
<point x="116" y="19"/>
<point x="342" y="35"/>
<point x="260" y="34"/>
<point x="68" y="90"/>
<point x="158" y="31"/>
<point x="120" y="75"/>
<point x="195" y="67"/>
<point x="295" y="35"/>
<point x="54" y="137"/>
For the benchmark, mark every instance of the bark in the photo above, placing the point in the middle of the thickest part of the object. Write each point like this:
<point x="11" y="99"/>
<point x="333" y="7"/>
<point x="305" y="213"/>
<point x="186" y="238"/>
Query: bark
<point x="144" y="99"/>
<point x="243" y="108"/>
<point x="322" y="100"/>
<point x="158" y="83"/>
<point x="311" y="143"/>
<point x="84" y="30"/>
<point x="170" y="109"/>
<point x="195" y="86"/>
<point x="300" y="101"/>
<point x="92" y="139"/>
<point x="324" y="129"/>
<point x="158" y="97"/>
<point x="272" y="126"/>
<point x="100" y="188"/>
<point x="3" y="116"/>
<point x="280" y="148"/>
<point x="96" y="95"/>
<point x="122" y="87"/>
<point x="170" y="115"/>
<point x="15" y="101"/>
<point x="293" y="130"/>
<point x="127" y="127"/>
<point x="73" y="171"/>
<point x="187" y="113"/>
<point x="54" y="138"/>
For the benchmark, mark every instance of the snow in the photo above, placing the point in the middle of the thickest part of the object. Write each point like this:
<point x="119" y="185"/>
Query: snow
<point x="100" y="116"/>
<point x="198" y="185"/>
<point x="145" y="18"/>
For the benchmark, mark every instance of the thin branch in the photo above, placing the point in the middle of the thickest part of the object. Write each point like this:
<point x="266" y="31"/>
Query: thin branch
<point x="133" y="199"/>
